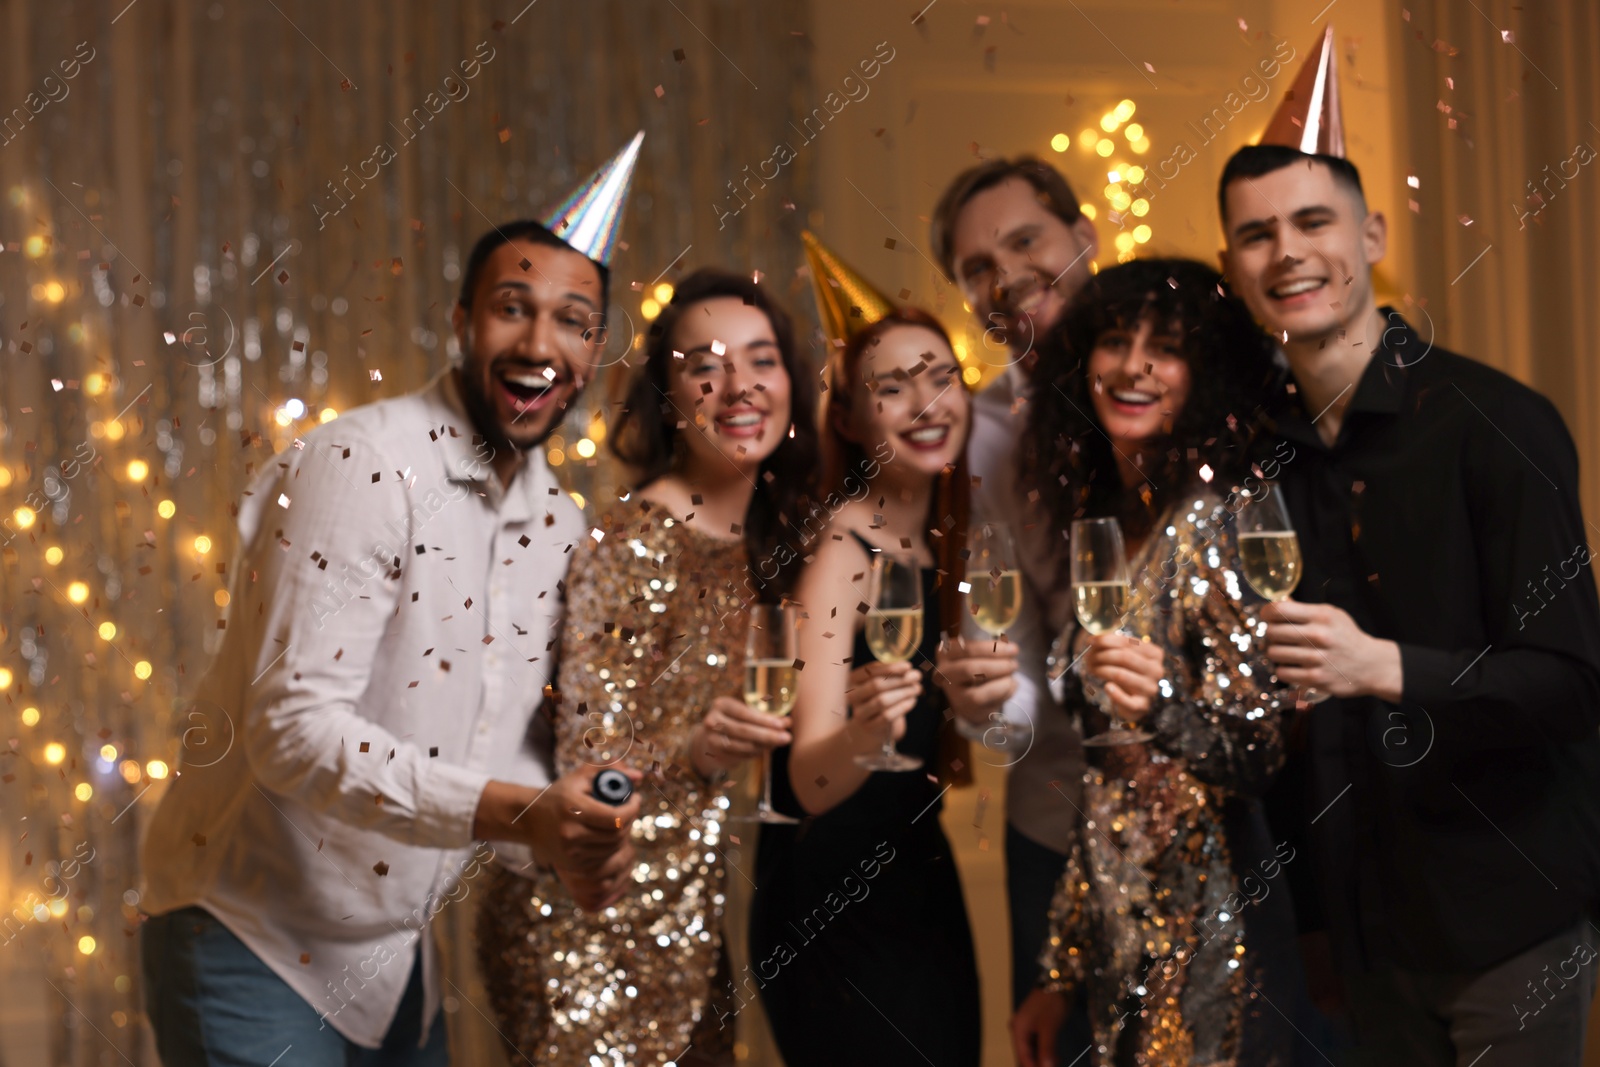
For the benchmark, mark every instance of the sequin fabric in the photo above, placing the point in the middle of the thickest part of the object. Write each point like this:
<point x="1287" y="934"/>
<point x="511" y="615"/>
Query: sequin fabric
<point x="654" y="631"/>
<point x="1147" y="920"/>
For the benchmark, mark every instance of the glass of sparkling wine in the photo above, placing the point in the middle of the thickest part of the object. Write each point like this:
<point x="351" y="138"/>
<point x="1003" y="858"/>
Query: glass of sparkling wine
<point x="1269" y="553"/>
<point x="994" y="598"/>
<point x="1100" y="600"/>
<point x="770" y="680"/>
<point x="894" y="633"/>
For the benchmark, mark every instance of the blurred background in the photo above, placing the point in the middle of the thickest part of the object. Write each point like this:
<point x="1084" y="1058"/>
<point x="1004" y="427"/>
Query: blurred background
<point x="204" y="258"/>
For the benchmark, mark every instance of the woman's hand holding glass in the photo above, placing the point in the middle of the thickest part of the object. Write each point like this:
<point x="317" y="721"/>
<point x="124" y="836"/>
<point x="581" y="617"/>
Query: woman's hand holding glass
<point x="733" y="732"/>
<point x="880" y="696"/>
<point x="1129" y="672"/>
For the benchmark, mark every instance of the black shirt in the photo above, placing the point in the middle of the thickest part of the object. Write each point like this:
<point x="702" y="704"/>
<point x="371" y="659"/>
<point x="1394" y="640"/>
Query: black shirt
<point x="1462" y="825"/>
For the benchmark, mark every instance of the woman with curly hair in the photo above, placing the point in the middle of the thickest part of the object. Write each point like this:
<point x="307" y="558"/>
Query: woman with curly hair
<point x="1164" y="918"/>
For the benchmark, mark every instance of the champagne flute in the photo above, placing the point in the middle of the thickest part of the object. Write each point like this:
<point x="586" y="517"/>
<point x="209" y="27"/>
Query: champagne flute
<point x="770" y="681"/>
<point x="994" y="599"/>
<point x="894" y="633"/>
<point x="1269" y="553"/>
<point x="1100" y="596"/>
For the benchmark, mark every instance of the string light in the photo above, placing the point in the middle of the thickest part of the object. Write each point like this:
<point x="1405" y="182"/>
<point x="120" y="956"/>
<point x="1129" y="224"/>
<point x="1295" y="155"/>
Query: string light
<point x="54" y="753"/>
<point x="166" y="509"/>
<point x="53" y="555"/>
<point x="30" y="716"/>
<point x="1060" y="142"/>
<point x="6" y="678"/>
<point x="202" y="544"/>
<point x="141" y="670"/>
<point x="108" y="631"/>
<point x="156" y="769"/>
<point x="24" y="517"/>
<point x="137" y="470"/>
<point x="78" y="592"/>
<point x="663" y="293"/>
<point x="83" y="791"/>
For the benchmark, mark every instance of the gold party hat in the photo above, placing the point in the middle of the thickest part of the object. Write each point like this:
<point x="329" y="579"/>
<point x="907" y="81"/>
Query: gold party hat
<point x="591" y="216"/>
<point x="846" y="302"/>
<point x="1309" y="118"/>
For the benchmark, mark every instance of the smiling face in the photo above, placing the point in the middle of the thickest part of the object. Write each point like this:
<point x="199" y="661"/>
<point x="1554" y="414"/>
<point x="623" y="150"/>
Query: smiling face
<point x="1018" y="264"/>
<point x="528" y="342"/>
<point x="909" y="397"/>
<point x="743" y="416"/>
<point x="1300" y="249"/>
<point x="1138" y="382"/>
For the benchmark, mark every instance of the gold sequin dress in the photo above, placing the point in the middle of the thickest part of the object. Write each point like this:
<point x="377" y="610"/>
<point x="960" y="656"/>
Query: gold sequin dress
<point x="1149" y="920"/>
<point x="654" y="631"/>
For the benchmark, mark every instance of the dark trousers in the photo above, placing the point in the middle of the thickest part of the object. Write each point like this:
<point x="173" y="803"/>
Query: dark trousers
<point x="1530" y="1009"/>
<point x="1032" y="872"/>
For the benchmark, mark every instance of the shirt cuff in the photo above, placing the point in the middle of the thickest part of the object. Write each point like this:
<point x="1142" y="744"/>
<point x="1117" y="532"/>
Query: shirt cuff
<point x="1427" y="675"/>
<point x="447" y="804"/>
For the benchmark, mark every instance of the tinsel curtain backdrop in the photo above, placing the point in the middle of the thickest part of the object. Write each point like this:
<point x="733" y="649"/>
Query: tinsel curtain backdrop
<point x="222" y="224"/>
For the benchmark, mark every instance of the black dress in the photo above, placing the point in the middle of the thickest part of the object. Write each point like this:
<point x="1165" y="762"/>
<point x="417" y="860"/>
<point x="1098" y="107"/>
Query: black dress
<point x="859" y="942"/>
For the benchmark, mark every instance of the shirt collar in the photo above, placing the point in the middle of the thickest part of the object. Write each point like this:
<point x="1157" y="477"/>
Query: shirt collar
<point x="1381" y="389"/>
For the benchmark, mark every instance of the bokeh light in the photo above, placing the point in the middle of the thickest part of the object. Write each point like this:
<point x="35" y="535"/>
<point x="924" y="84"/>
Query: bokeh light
<point x="54" y="753"/>
<point x="166" y="509"/>
<point x="108" y="631"/>
<point x="53" y="555"/>
<point x="202" y="544"/>
<point x="1060" y="142"/>
<point x="142" y="669"/>
<point x="156" y="769"/>
<point x="78" y="592"/>
<point x="137" y="470"/>
<point x="30" y="716"/>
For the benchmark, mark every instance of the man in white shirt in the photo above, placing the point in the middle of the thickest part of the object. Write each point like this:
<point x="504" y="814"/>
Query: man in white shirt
<point x="372" y="712"/>
<point x="1011" y="235"/>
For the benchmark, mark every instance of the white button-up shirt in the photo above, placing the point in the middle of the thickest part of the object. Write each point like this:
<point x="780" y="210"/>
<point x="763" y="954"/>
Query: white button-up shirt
<point x="1055" y="754"/>
<point x="393" y="621"/>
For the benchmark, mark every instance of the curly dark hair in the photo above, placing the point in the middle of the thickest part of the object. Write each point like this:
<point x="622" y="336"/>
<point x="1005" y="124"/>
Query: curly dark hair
<point x="1068" y="457"/>
<point x="646" y="436"/>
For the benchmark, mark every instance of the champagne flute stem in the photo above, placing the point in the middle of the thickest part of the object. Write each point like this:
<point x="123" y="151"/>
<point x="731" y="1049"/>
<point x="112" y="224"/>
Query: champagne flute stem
<point x="766" y="782"/>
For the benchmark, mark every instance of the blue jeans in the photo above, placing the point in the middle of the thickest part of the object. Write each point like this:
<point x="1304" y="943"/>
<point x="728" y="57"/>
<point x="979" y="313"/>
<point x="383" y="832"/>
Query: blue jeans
<point x="213" y="1003"/>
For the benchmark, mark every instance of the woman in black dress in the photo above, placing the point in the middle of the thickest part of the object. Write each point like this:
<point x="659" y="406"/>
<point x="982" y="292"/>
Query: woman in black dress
<point x="860" y="945"/>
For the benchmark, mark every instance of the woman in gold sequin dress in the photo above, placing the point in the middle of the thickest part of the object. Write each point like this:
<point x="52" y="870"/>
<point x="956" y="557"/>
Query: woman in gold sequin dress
<point x="651" y="664"/>
<point x="1165" y="918"/>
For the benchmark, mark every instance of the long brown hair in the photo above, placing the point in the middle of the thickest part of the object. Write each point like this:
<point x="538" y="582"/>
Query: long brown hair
<point x="949" y="512"/>
<point x="646" y="432"/>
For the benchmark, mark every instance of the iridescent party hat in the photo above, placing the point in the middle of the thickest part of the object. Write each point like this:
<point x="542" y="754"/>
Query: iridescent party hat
<point x="590" y="217"/>
<point x="846" y="302"/>
<point x="1309" y="118"/>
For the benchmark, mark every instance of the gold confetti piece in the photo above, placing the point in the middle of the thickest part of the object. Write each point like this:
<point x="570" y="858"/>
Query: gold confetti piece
<point x="381" y="868"/>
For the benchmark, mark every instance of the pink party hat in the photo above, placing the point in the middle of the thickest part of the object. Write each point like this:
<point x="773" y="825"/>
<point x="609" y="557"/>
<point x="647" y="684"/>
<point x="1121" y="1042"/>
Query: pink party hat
<point x="1309" y="118"/>
<point x="591" y="216"/>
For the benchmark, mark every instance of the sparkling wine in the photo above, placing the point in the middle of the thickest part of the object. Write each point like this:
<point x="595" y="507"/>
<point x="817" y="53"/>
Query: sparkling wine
<point x="1271" y="562"/>
<point x="769" y="685"/>
<point x="895" y="634"/>
<point x="996" y="602"/>
<point x="1101" y="605"/>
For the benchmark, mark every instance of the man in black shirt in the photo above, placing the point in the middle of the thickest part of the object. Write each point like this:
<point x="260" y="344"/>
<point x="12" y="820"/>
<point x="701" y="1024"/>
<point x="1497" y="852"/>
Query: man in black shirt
<point x="1448" y="608"/>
